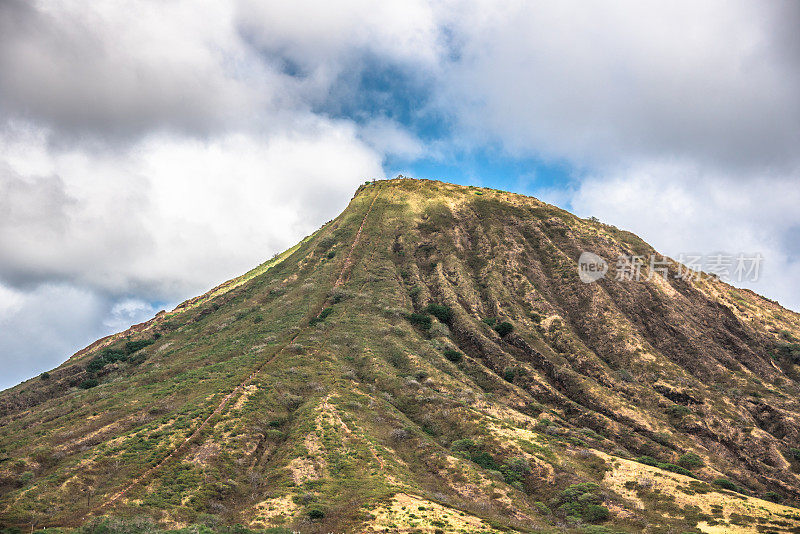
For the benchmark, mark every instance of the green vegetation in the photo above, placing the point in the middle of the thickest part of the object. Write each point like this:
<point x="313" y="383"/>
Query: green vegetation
<point x="315" y="514"/>
<point x="135" y="346"/>
<point x="515" y="470"/>
<point x="321" y="316"/>
<point x="677" y="411"/>
<point x="647" y="460"/>
<point x="88" y="383"/>
<point x="453" y="355"/>
<point x="510" y="373"/>
<point x="420" y="320"/>
<point x="690" y="460"/>
<point x="441" y="312"/>
<point x="504" y="328"/>
<point x="788" y="351"/>
<point x="582" y="501"/>
<point x="724" y="483"/>
<point x="675" y="469"/>
<point x="112" y="355"/>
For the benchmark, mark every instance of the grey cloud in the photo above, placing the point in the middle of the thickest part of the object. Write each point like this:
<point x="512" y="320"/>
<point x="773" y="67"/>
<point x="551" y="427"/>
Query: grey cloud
<point x="49" y="324"/>
<point x="596" y="83"/>
<point x="47" y="235"/>
<point x="100" y="72"/>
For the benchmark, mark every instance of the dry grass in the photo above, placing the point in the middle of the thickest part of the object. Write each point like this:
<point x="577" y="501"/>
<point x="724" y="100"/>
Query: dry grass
<point x="407" y="513"/>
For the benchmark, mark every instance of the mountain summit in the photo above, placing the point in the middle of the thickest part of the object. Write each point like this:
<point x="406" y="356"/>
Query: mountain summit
<point x="432" y="360"/>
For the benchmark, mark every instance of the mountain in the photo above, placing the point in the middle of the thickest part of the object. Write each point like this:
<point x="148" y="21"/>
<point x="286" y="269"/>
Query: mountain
<point x="428" y="361"/>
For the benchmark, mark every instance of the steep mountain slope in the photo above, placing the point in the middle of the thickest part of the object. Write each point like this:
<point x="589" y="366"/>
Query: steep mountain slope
<point x="366" y="379"/>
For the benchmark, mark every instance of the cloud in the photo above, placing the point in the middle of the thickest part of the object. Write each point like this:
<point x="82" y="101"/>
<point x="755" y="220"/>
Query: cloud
<point x="127" y="312"/>
<point x="47" y="325"/>
<point x="145" y="159"/>
<point x="595" y="83"/>
<point x="168" y="216"/>
<point x="389" y="138"/>
<point x="103" y="72"/>
<point x="319" y="40"/>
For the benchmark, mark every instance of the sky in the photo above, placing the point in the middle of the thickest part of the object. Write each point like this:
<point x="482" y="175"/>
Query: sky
<point x="151" y="149"/>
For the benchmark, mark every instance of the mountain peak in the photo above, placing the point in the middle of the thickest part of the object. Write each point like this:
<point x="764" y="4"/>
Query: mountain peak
<point x="430" y="360"/>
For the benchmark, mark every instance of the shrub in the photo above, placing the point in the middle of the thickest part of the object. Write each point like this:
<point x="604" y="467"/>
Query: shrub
<point x="510" y="373"/>
<point x="773" y="496"/>
<point x="678" y="411"/>
<point x="675" y="469"/>
<point x="573" y="492"/>
<point x="464" y="444"/>
<point x="441" y="312"/>
<point x="542" y="508"/>
<point x="315" y="513"/>
<point x="690" y="461"/>
<point x="485" y="460"/>
<point x="453" y="355"/>
<point x="135" y="346"/>
<point x="504" y="328"/>
<point x="45" y="376"/>
<point x="321" y="317"/>
<point x="420" y="320"/>
<point x="795" y="452"/>
<point x="594" y="513"/>
<point x="581" y="501"/>
<point x="515" y="470"/>
<point x="789" y="350"/>
<point x="491" y="321"/>
<point x="111" y="355"/>
<point x="96" y="364"/>
<point x="724" y="483"/>
<point x="647" y="460"/>
<point x="258" y="318"/>
<point x="88" y="383"/>
<point x="338" y="295"/>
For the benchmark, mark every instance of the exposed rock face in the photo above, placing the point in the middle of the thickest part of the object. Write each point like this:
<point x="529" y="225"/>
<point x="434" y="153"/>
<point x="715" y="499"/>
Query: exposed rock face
<point x="322" y="391"/>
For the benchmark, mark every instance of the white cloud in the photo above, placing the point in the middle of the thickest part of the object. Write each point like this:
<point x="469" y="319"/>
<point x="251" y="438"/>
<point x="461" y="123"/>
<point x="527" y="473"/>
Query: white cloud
<point x="169" y="216"/>
<point x="388" y="137"/>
